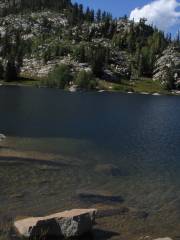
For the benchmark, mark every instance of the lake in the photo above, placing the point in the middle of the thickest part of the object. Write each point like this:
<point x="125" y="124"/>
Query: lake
<point x="59" y="144"/>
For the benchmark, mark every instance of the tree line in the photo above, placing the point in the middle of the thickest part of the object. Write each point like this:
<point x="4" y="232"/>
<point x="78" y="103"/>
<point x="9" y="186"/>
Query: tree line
<point x="75" y="13"/>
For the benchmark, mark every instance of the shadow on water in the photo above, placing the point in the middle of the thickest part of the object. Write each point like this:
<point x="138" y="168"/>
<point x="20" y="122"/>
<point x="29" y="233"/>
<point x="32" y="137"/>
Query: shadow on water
<point x="97" y="234"/>
<point x="101" y="235"/>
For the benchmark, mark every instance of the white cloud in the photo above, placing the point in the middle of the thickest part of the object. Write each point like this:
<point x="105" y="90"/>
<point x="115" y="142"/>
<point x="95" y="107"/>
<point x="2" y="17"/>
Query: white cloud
<point x="162" y="13"/>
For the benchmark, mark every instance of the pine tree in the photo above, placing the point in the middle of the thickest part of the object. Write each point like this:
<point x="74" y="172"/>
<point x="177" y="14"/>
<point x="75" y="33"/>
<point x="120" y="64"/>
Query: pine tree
<point x="97" y="59"/>
<point x="10" y="71"/>
<point x="98" y="15"/>
<point x="81" y="14"/>
<point x="1" y="71"/>
<point x="168" y="78"/>
<point x="87" y="14"/>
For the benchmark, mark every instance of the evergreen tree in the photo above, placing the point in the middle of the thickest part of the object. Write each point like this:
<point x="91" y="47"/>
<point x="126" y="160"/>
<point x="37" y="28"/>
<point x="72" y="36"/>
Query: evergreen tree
<point x="86" y="80"/>
<point x="104" y="15"/>
<point x="80" y="53"/>
<point x="92" y="17"/>
<point x="87" y="15"/>
<point x="98" y="15"/>
<point x="1" y="71"/>
<point x="60" y="77"/>
<point x="81" y="14"/>
<point x="98" y="60"/>
<point x="168" y="78"/>
<point x="178" y="38"/>
<point x="10" y="71"/>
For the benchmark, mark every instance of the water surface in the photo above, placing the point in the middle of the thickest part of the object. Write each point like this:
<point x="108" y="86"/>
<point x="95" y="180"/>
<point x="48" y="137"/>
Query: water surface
<point x="138" y="134"/>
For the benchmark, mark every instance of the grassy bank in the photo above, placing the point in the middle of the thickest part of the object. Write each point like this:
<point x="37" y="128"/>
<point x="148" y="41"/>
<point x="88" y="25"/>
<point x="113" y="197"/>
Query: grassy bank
<point x="23" y="81"/>
<point x="139" y="86"/>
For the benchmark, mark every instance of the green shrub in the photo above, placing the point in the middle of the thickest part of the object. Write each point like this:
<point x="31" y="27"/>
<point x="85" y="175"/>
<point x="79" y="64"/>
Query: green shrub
<point x="60" y="77"/>
<point x="86" y="80"/>
<point x="79" y="53"/>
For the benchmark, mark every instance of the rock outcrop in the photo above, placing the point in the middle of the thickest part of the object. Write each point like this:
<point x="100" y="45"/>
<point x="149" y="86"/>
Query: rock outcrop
<point x="170" y="59"/>
<point x="45" y="54"/>
<point x="66" y="224"/>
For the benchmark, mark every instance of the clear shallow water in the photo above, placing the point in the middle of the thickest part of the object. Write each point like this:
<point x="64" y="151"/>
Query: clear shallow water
<point x="139" y="134"/>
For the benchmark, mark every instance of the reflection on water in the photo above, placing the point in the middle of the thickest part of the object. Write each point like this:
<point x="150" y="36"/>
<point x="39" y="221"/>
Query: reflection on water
<point x="56" y="141"/>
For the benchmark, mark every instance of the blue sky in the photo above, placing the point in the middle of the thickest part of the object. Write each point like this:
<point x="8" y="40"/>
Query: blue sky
<point x="117" y="7"/>
<point x="165" y="14"/>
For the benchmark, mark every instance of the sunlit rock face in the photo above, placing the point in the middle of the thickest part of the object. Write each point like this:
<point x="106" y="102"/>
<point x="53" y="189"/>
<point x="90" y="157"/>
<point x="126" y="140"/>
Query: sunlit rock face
<point x="170" y="59"/>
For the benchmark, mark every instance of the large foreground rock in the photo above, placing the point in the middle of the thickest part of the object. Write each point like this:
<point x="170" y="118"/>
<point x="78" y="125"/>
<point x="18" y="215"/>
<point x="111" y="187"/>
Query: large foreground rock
<point x="66" y="224"/>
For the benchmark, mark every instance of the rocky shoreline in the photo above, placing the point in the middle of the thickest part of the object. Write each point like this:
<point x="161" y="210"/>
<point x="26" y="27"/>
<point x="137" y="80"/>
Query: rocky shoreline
<point x="73" y="89"/>
<point x="115" y="218"/>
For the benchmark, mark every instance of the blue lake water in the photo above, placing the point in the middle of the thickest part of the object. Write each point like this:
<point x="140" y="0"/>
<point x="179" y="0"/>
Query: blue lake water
<point x="139" y="134"/>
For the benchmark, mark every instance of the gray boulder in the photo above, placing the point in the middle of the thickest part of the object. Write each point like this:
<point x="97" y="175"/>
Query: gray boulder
<point x="74" y="223"/>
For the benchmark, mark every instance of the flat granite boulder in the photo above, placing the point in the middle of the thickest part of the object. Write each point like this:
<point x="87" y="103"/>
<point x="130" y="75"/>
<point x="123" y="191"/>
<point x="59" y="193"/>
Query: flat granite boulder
<point x="74" y="223"/>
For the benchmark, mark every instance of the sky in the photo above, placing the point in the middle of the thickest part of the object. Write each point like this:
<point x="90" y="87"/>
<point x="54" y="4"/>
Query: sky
<point x="165" y="14"/>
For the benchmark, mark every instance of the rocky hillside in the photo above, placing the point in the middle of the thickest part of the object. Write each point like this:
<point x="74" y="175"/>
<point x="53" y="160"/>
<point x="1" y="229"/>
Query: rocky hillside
<point x="36" y="36"/>
<point x="19" y="6"/>
<point x="49" y="39"/>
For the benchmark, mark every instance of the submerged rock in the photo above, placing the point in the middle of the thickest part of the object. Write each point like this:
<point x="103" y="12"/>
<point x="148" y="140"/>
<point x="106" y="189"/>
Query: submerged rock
<point x="110" y="170"/>
<point x="112" y="212"/>
<point x="74" y="223"/>
<point x="98" y="197"/>
<point x="141" y="214"/>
